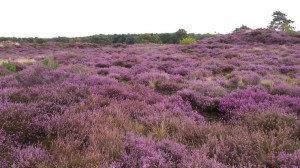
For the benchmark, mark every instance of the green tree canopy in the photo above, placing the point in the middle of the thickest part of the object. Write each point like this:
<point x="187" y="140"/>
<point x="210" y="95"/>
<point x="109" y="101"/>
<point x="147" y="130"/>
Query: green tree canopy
<point x="243" y="27"/>
<point x="279" y="21"/>
<point x="180" y="34"/>
<point x="148" y="38"/>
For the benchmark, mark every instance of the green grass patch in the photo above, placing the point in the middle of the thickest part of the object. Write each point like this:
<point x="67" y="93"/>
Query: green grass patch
<point x="9" y="66"/>
<point x="49" y="63"/>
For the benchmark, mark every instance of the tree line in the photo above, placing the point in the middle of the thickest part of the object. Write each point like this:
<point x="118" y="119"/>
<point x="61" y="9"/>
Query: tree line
<point x="162" y="38"/>
<point x="279" y="23"/>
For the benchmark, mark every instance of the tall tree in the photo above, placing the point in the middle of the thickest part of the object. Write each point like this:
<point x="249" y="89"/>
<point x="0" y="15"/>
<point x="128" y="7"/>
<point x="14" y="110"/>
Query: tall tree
<point x="279" y="21"/>
<point x="180" y="34"/>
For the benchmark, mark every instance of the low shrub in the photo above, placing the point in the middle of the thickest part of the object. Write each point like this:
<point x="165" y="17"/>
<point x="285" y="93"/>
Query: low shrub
<point x="254" y="100"/>
<point x="187" y="41"/>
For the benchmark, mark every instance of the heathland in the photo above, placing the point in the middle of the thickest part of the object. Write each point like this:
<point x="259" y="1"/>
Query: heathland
<point x="226" y="101"/>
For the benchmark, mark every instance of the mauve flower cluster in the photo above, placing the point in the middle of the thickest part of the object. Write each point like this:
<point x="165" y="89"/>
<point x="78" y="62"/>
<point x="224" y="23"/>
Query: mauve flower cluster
<point x="228" y="101"/>
<point x="255" y="100"/>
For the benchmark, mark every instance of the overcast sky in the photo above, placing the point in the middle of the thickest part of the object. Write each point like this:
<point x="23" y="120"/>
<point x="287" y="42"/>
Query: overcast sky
<point x="52" y="18"/>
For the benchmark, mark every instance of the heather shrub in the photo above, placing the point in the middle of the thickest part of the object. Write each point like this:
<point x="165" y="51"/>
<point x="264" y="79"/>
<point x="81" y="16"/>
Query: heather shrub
<point x="198" y="102"/>
<point x="122" y="64"/>
<point x="126" y="62"/>
<point x="134" y="109"/>
<point x="282" y="89"/>
<point x="254" y="100"/>
<point x="143" y="152"/>
<point x="94" y="80"/>
<point x="176" y="154"/>
<point x="219" y="68"/>
<point x="181" y="71"/>
<point x="103" y="72"/>
<point x="292" y="91"/>
<point x="236" y="145"/>
<point x="288" y="69"/>
<point x="269" y="84"/>
<point x="179" y="107"/>
<point x="151" y="79"/>
<point x="8" y="81"/>
<point x="284" y="159"/>
<point x="77" y="144"/>
<point x="209" y="88"/>
<point x="196" y="135"/>
<point x="30" y="157"/>
<point x="102" y="65"/>
<point x="243" y="148"/>
<point x="228" y="101"/>
<point x="186" y="50"/>
<point x="243" y="79"/>
<point x="174" y="107"/>
<point x="20" y="121"/>
<point x="66" y="95"/>
<point x="198" y="74"/>
<point x="270" y="120"/>
<point x="140" y="152"/>
<point x="201" y="159"/>
<point x="38" y="75"/>
<point x="113" y="91"/>
<point x="143" y="93"/>
<point x="262" y="70"/>
<point x="6" y="147"/>
<point x="88" y="151"/>
<point x="166" y="87"/>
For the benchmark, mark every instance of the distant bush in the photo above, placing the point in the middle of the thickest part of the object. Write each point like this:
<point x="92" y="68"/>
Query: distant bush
<point x="289" y="30"/>
<point x="9" y="66"/>
<point x="98" y="39"/>
<point x="39" y="40"/>
<point x="243" y="27"/>
<point x="188" y="40"/>
<point x="61" y="39"/>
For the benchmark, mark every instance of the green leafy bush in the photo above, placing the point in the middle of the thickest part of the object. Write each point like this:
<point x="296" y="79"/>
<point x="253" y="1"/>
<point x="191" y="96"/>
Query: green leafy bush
<point x="243" y="27"/>
<point x="289" y="30"/>
<point x="9" y="66"/>
<point x="188" y="40"/>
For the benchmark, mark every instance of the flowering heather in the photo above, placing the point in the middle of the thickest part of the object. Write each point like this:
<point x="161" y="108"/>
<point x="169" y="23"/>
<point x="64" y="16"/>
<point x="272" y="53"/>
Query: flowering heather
<point x="255" y="99"/>
<point x="228" y="101"/>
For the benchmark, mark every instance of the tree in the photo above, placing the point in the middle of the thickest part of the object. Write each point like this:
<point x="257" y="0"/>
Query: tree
<point x="243" y="27"/>
<point x="167" y="38"/>
<point x="180" y="34"/>
<point x="61" y="39"/>
<point x="279" y="21"/>
<point x="148" y="38"/>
